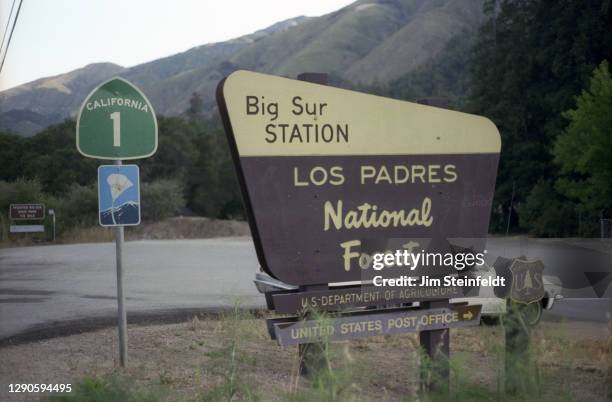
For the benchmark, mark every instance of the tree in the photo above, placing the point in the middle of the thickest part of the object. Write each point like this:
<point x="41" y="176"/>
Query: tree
<point x="176" y="152"/>
<point x="11" y="155"/>
<point x="51" y="157"/>
<point x="196" y="105"/>
<point x="531" y="58"/>
<point x="161" y="199"/>
<point x="584" y="150"/>
<point x="545" y="213"/>
<point x="213" y="188"/>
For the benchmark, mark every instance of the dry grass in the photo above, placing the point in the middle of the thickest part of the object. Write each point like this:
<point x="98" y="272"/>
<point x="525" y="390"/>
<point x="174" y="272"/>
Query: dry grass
<point x="228" y="358"/>
<point x="169" y="229"/>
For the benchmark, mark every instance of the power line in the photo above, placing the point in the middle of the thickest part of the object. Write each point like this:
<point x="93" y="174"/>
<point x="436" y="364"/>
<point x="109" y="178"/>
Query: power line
<point x="8" y="23"/>
<point x="8" y="43"/>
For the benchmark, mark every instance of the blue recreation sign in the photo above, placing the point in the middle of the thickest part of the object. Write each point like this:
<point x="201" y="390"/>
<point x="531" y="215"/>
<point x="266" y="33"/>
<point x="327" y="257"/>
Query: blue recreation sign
<point x="118" y="195"/>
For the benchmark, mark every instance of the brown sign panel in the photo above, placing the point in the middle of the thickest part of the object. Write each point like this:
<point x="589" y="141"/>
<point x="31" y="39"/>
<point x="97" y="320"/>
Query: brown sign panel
<point x="341" y="299"/>
<point x="322" y="168"/>
<point x="27" y="212"/>
<point x="368" y="324"/>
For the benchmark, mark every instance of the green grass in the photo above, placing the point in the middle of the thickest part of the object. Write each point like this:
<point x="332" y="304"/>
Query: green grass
<point x="115" y="387"/>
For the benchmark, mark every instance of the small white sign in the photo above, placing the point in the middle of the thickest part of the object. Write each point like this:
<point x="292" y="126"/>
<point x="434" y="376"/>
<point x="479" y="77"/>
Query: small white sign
<point x="27" y="228"/>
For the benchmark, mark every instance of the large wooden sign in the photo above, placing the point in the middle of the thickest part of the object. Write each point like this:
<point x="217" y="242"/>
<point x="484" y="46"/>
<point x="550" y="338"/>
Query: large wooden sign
<point x="322" y="169"/>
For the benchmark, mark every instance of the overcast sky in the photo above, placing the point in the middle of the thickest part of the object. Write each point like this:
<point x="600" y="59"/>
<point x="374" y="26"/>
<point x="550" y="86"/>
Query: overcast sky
<point x="56" y="36"/>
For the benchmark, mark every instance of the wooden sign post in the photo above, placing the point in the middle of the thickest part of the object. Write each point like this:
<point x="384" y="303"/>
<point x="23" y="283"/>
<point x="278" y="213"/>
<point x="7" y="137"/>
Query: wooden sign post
<point x="331" y="177"/>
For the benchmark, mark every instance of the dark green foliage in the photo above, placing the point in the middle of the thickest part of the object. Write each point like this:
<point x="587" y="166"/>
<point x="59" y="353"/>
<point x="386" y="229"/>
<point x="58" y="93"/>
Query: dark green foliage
<point x="192" y="168"/>
<point x="584" y="149"/>
<point x="114" y="387"/>
<point x="10" y="156"/>
<point x="161" y="199"/>
<point x="53" y="159"/>
<point x="531" y="59"/>
<point x="545" y="213"/>
<point x="77" y="207"/>
<point x="175" y="154"/>
<point x="213" y="188"/>
<point x="18" y="192"/>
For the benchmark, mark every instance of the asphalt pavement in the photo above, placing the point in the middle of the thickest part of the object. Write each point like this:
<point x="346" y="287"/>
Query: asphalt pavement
<point x="49" y="284"/>
<point x="44" y="285"/>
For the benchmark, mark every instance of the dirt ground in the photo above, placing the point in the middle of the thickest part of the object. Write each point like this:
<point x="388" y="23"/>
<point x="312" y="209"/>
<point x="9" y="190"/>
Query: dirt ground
<point x="194" y="359"/>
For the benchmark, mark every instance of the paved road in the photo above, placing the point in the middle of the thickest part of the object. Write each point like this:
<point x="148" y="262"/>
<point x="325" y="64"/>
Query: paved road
<point x="561" y="258"/>
<point x="53" y="283"/>
<point x="47" y="284"/>
<point x="568" y="260"/>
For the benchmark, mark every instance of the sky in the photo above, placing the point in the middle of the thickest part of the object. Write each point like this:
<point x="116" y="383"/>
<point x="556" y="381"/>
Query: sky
<point x="56" y="36"/>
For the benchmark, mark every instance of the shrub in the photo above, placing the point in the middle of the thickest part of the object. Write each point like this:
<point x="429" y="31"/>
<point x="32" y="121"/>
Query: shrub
<point x="161" y="199"/>
<point x="21" y="191"/>
<point x="78" y="207"/>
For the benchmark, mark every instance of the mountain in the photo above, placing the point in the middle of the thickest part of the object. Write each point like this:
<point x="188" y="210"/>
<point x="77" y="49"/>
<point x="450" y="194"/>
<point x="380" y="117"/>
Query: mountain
<point x="370" y="42"/>
<point x="32" y="106"/>
<point x="125" y="213"/>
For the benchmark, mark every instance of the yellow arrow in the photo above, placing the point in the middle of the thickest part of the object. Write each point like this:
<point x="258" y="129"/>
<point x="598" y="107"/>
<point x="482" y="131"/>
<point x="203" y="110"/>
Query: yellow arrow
<point x="468" y="315"/>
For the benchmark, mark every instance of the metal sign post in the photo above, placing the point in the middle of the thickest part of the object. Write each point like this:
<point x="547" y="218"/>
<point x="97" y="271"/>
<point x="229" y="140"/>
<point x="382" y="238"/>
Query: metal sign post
<point x="121" y="317"/>
<point x="119" y="206"/>
<point x="52" y="214"/>
<point x="117" y="122"/>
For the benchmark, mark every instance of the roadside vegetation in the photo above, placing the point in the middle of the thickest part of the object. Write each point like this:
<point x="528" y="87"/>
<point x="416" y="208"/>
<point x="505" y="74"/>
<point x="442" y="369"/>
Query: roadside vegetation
<point x="191" y="175"/>
<point x="231" y="358"/>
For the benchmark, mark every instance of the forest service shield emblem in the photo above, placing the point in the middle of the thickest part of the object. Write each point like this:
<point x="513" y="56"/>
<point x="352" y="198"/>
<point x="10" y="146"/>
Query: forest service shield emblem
<point x="527" y="282"/>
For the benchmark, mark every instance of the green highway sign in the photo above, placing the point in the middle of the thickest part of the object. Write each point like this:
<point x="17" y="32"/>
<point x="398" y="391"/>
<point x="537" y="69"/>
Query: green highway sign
<point x="116" y="121"/>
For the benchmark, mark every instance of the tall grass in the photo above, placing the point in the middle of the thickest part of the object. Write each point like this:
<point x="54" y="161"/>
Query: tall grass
<point x="331" y="372"/>
<point x="230" y="363"/>
<point x="543" y="369"/>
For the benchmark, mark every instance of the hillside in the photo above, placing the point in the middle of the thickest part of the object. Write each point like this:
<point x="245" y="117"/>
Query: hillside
<point x="368" y="42"/>
<point x="32" y="106"/>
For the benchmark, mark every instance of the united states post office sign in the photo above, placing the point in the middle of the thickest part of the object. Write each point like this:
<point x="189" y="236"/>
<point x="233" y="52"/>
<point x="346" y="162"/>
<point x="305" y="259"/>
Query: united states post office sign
<point x="322" y="168"/>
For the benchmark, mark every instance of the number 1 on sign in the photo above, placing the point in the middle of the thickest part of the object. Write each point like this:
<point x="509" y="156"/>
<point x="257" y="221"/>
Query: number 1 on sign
<point x="116" y="118"/>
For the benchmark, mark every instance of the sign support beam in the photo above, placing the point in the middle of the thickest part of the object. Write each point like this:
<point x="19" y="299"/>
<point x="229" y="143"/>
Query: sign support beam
<point x="312" y="355"/>
<point x="121" y="314"/>
<point x="436" y="343"/>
